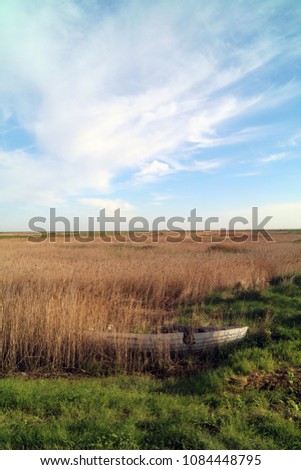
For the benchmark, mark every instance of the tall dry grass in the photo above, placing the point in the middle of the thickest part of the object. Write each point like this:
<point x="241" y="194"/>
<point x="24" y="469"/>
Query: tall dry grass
<point x="52" y="295"/>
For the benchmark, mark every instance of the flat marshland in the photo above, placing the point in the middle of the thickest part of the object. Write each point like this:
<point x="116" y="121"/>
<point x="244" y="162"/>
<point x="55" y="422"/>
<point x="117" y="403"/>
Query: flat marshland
<point x="55" y="391"/>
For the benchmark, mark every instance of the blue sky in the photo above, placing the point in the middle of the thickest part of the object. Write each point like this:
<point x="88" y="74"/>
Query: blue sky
<point x="155" y="108"/>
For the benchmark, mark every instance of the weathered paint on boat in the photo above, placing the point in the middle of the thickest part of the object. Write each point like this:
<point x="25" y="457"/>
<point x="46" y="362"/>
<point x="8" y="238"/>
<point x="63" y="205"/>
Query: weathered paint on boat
<point x="176" y="342"/>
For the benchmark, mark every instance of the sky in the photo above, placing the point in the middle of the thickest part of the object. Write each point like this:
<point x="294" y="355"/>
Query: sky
<point x="154" y="107"/>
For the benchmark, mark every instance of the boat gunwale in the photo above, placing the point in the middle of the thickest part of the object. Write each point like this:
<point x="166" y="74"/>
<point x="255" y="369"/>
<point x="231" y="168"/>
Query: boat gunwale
<point x="222" y="332"/>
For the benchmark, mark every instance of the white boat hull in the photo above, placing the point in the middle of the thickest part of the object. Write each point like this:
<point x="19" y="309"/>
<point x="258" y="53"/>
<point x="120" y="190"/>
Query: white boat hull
<point x="175" y="342"/>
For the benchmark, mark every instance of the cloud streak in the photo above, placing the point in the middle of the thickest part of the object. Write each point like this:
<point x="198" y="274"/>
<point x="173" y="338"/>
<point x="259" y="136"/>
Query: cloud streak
<point x="276" y="157"/>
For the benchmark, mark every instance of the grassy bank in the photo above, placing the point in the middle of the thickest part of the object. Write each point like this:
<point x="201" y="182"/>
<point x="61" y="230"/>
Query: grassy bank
<point x="247" y="396"/>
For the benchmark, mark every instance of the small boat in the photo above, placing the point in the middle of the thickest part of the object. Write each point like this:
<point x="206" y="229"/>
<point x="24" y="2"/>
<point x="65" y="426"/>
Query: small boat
<point x="185" y="340"/>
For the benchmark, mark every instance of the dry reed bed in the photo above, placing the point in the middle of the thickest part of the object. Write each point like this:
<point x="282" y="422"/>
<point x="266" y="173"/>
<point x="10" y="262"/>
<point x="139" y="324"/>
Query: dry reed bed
<point x="52" y="294"/>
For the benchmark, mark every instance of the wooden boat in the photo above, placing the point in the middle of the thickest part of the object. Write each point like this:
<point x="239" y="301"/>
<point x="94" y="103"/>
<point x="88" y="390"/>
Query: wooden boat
<point x="178" y="342"/>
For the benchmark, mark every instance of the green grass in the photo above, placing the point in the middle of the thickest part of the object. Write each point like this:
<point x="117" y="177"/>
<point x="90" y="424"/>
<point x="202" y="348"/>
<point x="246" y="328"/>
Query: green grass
<point x="199" y="412"/>
<point x="245" y="396"/>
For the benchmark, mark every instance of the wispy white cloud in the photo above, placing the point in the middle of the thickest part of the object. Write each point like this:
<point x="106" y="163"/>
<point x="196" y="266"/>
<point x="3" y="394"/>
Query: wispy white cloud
<point x="153" y="170"/>
<point x="203" y="127"/>
<point x="294" y="141"/>
<point x="45" y="180"/>
<point x="157" y="169"/>
<point x="109" y="204"/>
<point x="274" y="157"/>
<point x="205" y="165"/>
